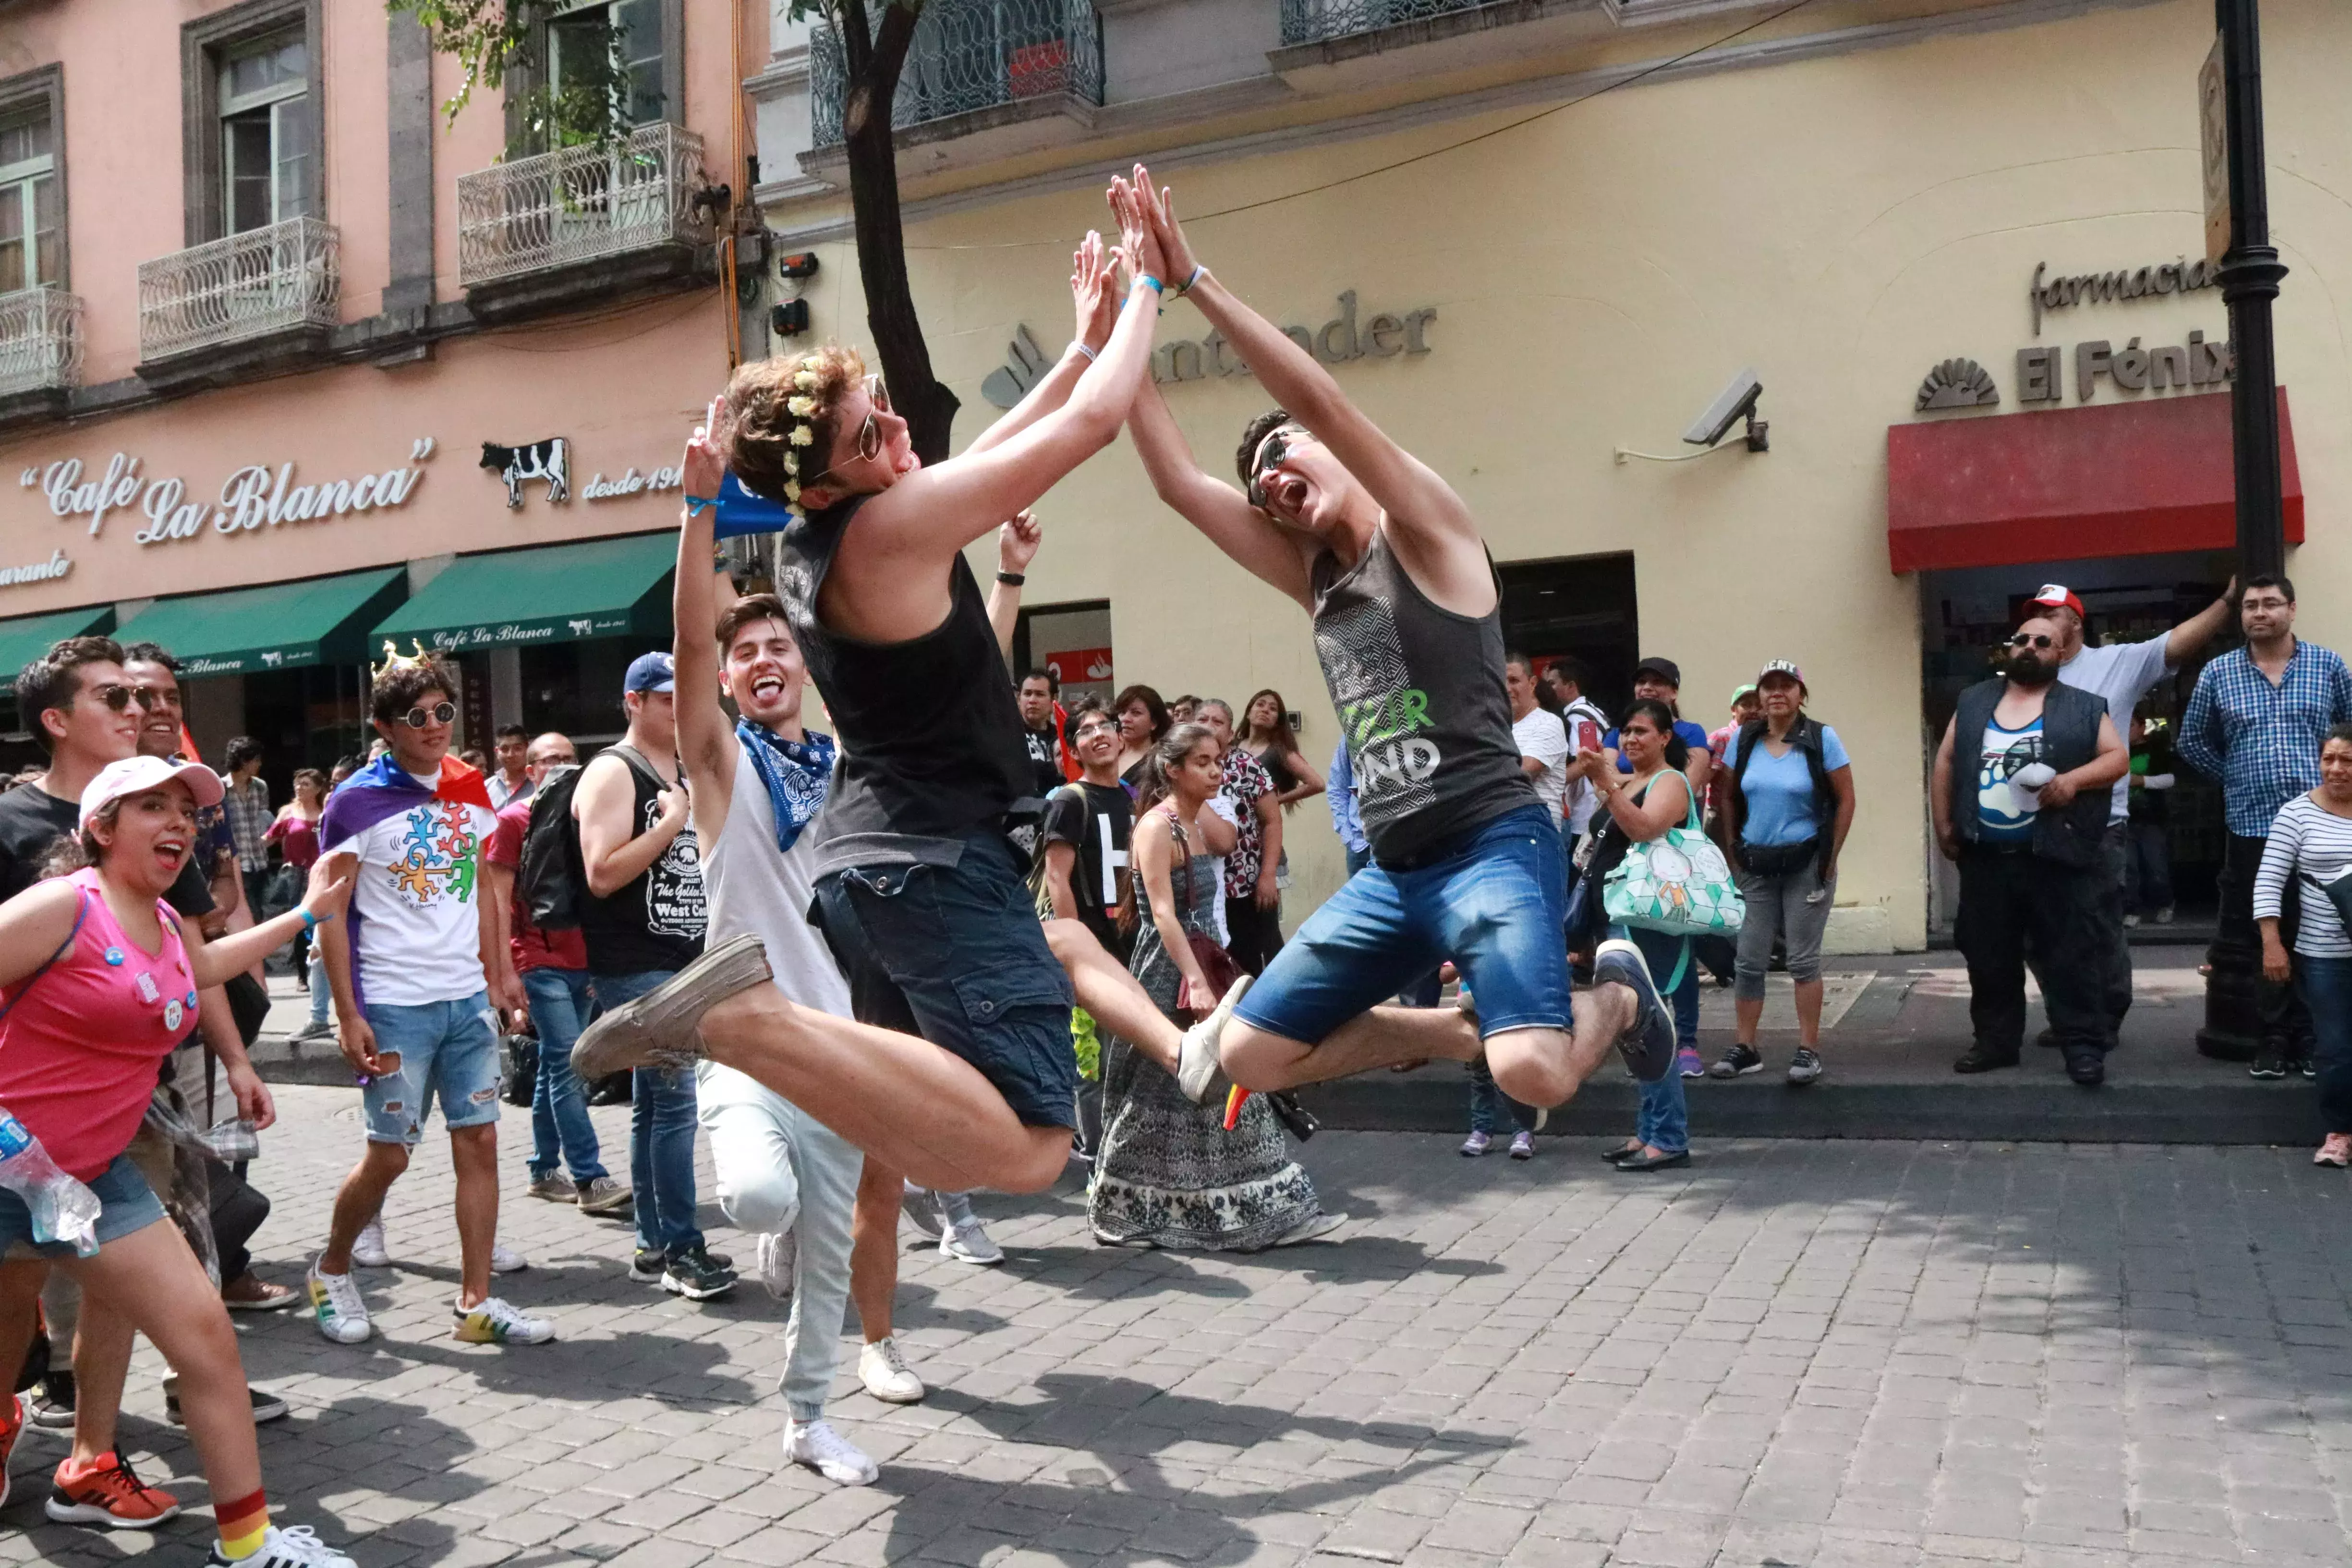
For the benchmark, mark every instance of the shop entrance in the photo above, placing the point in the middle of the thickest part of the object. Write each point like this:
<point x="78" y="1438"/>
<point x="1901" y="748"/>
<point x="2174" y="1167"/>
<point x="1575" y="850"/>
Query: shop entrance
<point x="1071" y="640"/>
<point x="1965" y="614"/>
<point x="1581" y="605"/>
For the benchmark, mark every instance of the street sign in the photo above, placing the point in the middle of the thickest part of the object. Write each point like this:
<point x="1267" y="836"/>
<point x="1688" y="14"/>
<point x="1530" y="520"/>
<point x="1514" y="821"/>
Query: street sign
<point x="2212" y="112"/>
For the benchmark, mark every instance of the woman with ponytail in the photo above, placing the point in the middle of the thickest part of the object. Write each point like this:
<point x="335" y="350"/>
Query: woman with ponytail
<point x="1169" y="1174"/>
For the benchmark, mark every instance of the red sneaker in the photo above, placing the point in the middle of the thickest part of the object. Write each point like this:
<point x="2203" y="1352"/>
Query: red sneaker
<point x="106" y="1493"/>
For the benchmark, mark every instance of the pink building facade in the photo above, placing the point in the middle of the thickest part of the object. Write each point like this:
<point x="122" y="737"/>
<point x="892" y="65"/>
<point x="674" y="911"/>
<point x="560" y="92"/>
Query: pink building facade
<point x="290" y="361"/>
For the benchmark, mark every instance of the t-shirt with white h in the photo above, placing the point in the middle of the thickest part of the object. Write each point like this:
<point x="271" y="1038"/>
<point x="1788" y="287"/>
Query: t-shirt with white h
<point x="1543" y="738"/>
<point x="2123" y="673"/>
<point x="416" y="896"/>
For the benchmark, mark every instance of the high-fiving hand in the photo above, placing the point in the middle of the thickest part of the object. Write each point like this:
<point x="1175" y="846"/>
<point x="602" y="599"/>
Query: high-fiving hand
<point x="1158" y="206"/>
<point x="1129" y="202"/>
<point x="1095" y="290"/>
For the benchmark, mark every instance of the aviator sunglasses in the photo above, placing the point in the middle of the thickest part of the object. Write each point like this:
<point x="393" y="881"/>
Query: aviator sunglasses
<point x="118" y="699"/>
<point x="869" y="434"/>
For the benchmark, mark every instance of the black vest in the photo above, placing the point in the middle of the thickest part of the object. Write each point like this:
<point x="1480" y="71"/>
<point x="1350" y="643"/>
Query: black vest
<point x="2070" y="738"/>
<point x="652" y="924"/>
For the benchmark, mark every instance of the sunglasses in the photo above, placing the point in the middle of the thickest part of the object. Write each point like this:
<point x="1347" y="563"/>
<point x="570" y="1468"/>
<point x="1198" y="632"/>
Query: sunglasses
<point x="2032" y="639"/>
<point x="869" y="434"/>
<point x="439" y="713"/>
<point x="1271" y="453"/>
<point x="118" y="699"/>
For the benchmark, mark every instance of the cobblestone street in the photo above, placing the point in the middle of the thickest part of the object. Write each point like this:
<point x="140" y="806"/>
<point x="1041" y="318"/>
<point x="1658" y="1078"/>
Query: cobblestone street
<point x="1792" y="1354"/>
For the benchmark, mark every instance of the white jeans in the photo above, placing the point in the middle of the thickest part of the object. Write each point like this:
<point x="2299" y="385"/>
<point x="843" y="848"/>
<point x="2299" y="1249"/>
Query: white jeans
<point x="781" y="1169"/>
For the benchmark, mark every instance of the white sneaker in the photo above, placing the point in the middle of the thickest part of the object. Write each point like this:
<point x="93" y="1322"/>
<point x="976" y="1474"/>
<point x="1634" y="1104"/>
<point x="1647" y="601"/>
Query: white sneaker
<point x="369" y="1251"/>
<point x="496" y="1323"/>
<point x="778" y="1251"/>
<point x="296" y="1546"/>
<point x="967" y="1242"/>
<point x="1197" y="1062"/>
<point x="886" y="1375"/>
<point x="505" y="1259"/>
<point x="336" y="1307"/>
<point x="817" y="1444"/>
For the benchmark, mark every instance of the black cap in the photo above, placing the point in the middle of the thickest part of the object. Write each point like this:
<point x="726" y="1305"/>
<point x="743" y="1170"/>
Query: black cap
<point x="1666" y="669"/>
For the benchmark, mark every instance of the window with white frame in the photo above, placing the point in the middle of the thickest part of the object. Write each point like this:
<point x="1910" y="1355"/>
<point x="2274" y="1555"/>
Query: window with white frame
<point x="30" y="224"/>
<point x="616" y="44"/>
<point x="268" y="130"/>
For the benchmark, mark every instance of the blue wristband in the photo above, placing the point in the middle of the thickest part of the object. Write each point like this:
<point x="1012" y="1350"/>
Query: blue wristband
<point x="311" y="922"/>
<point x="1148" y="278"/>
<point x="694" y="504"/>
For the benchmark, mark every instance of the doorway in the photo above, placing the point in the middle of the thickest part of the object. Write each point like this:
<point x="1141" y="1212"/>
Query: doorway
<point x="1578" y="606"/>
<point x="1072" y="642"/>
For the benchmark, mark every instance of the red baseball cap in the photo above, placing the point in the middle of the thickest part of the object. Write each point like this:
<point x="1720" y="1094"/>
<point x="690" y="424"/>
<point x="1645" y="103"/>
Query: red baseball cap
<point x="2058" y="596"/>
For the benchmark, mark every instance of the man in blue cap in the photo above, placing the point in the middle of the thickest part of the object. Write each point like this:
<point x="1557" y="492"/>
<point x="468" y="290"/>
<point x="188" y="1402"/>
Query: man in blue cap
<point x="643" y="921"/>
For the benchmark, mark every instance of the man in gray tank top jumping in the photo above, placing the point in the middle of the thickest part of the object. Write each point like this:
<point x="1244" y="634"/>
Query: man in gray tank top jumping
<point x="1466" y="863"/>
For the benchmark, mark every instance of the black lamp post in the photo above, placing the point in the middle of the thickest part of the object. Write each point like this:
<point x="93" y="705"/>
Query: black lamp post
<point x="2251" y="271"/>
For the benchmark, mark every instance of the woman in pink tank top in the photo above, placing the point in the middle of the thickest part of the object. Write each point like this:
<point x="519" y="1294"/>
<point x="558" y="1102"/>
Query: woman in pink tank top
<point x="98" y="987"/>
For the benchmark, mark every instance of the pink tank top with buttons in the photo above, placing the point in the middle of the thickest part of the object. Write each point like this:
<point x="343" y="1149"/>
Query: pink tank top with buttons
<point x="80" y="1042"/>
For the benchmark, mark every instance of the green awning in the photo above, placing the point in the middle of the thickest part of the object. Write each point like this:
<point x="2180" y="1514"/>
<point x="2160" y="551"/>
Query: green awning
<point x="320" y="620"/>
<point x="562" y="593"/>
<point x="27" y="637"/>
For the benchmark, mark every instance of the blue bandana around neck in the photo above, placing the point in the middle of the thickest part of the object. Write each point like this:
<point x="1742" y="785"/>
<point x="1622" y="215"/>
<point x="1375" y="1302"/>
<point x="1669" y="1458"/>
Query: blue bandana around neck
<point x="797" y="775"/>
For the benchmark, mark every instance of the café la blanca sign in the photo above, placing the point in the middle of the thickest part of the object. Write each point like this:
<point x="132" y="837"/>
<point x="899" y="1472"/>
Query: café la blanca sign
<point x="255" y="496"/>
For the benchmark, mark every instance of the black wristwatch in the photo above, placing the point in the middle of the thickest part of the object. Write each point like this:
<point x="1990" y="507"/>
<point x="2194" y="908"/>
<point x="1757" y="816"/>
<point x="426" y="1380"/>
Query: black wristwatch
<point x="1010" y="579"/>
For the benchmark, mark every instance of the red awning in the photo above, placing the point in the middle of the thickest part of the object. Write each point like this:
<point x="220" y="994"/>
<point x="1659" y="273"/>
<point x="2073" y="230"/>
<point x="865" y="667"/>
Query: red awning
<point x="2118" y="478"/>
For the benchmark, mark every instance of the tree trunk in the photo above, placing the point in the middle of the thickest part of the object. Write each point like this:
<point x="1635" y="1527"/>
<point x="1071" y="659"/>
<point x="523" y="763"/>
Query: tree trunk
<point x="929" y="408"/>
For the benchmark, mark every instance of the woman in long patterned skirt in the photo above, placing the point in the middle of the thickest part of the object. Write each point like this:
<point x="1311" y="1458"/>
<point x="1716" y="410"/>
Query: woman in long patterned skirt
<point x="1169" y="1174"/>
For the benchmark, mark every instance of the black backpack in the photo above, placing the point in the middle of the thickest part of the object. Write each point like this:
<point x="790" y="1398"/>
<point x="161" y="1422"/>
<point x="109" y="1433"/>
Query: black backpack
<point x="552" y="880"/>
<point x="1806" y="736"/>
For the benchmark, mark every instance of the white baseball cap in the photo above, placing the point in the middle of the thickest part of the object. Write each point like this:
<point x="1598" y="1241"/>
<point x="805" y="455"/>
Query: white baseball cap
<point x="135" y="775"/>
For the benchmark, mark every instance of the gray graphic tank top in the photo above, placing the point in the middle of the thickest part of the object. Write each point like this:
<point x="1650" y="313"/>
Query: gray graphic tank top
<point x="1421" y="706"/>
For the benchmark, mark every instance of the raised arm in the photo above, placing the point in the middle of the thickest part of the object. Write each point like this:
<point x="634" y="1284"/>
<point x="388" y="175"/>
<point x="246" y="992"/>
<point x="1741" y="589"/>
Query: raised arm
<point x="1425" y="515"/>
<point x="705" y="740"/>
<point x="1016" y="546"/>
<point x="1213" y="506"/>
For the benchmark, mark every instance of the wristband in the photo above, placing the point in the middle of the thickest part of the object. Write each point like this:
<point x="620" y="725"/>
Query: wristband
<point x="1084" y="350"/>
<point x="1186" y="287"/>
<point x="1012" y="579"/>
<point x="1146" y="279"/>
<point x="694" y="504"/>
<point x="311" y="922"/>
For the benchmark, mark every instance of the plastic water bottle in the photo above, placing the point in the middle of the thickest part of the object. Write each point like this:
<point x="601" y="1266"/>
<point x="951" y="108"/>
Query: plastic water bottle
<point x="63" y="1209"/>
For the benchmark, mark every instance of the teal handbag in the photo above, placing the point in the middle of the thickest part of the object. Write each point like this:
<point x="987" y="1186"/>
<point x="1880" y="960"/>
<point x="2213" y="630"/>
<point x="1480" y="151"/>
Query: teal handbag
<point x="1679" y="883"/>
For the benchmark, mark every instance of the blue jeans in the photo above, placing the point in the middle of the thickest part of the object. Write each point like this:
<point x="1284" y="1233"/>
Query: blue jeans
<point x="560" y="1009"/>
<point x="448" y="1051"/>
<point x="2326" y="987"/>
<point x="661" y="1135"/>
<point x="1425" y="991"/>
<point x="1486" y="1098"/>
<point x="321" y="993"/>
<point x="1663" y="1124"/>
<point x="1491" y="899"/>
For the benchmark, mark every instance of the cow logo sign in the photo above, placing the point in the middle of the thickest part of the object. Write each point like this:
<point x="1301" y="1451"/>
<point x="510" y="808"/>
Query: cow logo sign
<point x="550" y="460"/>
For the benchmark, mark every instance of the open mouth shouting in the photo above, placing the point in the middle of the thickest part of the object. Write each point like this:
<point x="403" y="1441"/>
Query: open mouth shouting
<point x="171" y="851"/>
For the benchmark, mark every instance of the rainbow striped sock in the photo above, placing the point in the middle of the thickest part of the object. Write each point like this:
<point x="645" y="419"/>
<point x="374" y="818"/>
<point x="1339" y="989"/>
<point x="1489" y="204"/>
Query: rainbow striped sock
<point x="244" y="1524"/>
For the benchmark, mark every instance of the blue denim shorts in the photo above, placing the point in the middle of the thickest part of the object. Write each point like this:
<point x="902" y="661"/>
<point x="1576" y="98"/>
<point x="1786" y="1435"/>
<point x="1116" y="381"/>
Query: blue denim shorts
<point x="447" y="1050"/>
<point x="955" y="954"/>
<point x="126" y="1202"/>
<point x="1492" y="902"/>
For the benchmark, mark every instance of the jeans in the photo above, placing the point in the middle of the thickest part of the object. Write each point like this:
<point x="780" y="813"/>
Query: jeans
<point x="322" y="996"/>
<point x="2147" y="873"/>
<point x="1423" y="992"/>
<point x="1485" y="1098"/>
<point x="2326" y="987"/>
<point x="780" y="1170"/>
<point x="560" y="1128"/>
<point x="1663" y="1124"/>
<point x="448" y="1051"/>
<point x="2284" y="1022"/>
<point x="2006" y="897"/>
<point x="661" y="1135"/>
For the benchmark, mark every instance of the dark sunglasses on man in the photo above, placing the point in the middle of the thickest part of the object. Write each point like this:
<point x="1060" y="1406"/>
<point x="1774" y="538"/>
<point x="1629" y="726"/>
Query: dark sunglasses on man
<point x="2031" y="639"/>
<point x="1271" y="453"/>
<point x="118" y="699"/>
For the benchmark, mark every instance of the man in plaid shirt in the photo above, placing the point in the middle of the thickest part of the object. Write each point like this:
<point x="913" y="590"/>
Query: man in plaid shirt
<point x="2255" y="723"/>
<point x="245" y="798"/>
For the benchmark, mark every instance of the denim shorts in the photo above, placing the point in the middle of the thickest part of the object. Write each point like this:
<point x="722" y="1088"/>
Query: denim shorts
<point x="126" y="1204"/>
<point x="1492" y="902"/>
<point x="446" y="1048"/>
<point x="955" y="954"/>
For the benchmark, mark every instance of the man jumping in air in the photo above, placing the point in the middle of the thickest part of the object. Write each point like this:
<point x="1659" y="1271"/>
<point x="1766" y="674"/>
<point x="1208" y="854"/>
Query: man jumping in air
<point x="1408" y="627"/>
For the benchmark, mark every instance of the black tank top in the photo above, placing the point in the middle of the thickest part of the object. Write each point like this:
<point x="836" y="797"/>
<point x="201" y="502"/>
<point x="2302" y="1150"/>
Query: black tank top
<point x="654" y="923"/>
<point x="1420" y="699"/>
<point x="932" y="743"/>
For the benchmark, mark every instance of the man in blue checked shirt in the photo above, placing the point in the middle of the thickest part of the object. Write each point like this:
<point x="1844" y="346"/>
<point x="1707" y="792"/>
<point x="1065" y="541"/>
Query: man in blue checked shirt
<point x="2255" y="723"/>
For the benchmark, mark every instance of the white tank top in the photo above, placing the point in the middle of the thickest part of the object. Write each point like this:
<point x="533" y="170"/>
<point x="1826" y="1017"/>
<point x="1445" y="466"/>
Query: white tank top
<point x="754" y="890"/>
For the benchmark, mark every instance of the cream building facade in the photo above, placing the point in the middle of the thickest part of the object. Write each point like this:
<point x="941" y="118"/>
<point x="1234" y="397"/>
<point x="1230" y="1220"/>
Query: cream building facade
<point x="1535" y="236"/>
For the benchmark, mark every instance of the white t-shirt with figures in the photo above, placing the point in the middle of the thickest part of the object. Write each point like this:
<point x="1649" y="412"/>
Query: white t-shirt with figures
<point x="414" y="903"/>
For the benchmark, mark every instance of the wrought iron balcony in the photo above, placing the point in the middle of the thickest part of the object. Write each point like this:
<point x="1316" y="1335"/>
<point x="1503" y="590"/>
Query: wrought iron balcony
<point x="40" y="340"/>
<point x="250" y="285"/>
<point x="578" y="204"/>
<point x="969" y="55"/>
<point x="1315" y="21"/>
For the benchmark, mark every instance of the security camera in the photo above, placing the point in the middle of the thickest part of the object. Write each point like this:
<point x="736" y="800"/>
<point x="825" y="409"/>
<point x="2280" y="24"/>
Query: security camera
<point x="1736" y="402"/>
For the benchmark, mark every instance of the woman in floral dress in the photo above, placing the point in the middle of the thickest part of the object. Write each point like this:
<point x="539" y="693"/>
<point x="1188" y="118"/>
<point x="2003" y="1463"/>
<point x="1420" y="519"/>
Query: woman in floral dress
<point x="1169" y="1174"/>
